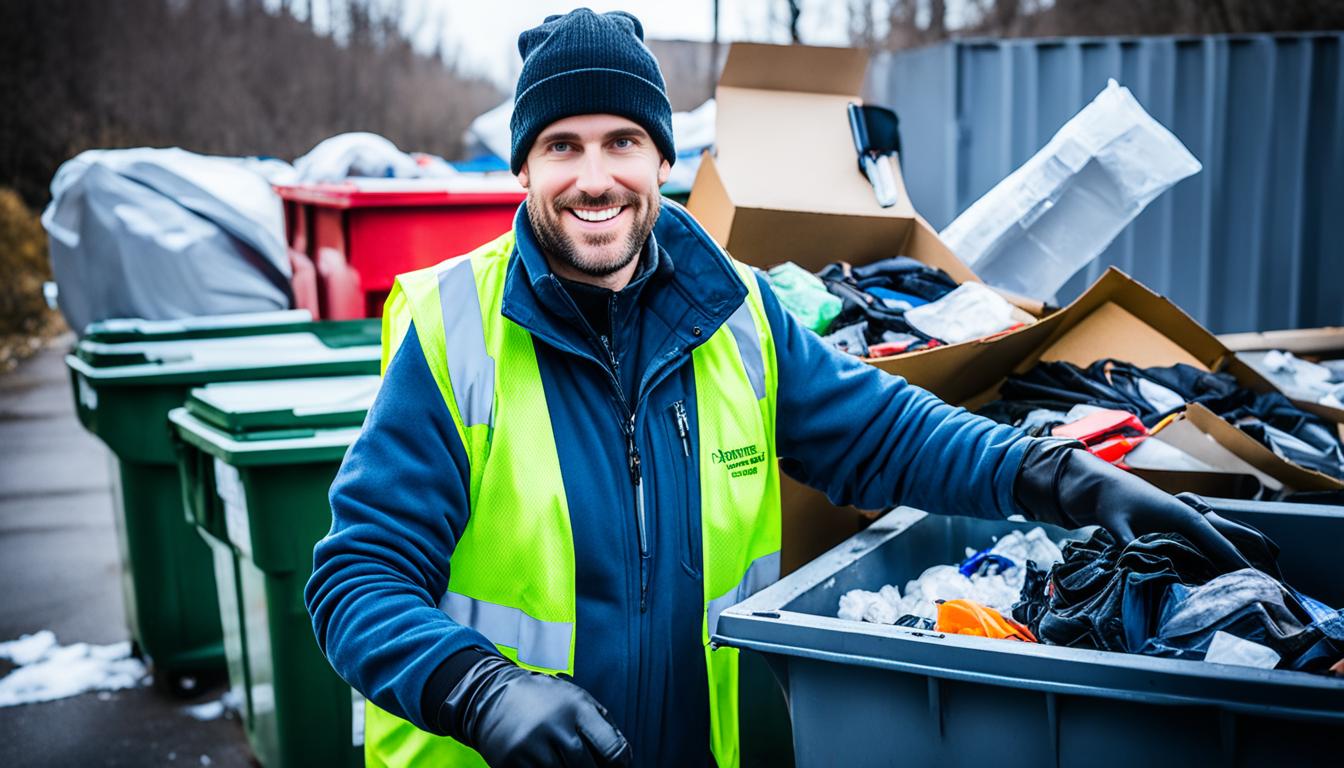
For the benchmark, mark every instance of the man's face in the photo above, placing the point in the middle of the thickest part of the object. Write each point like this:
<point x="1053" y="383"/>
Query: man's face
<point x="592" y="193"/>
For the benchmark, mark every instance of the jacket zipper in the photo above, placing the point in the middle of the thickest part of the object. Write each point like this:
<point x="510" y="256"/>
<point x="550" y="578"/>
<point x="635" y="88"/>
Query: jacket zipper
<point x="636" y="479"/>
<point x="683" y="427"/>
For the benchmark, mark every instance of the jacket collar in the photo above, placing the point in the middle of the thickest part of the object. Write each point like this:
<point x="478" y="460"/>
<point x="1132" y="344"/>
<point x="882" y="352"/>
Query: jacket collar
<point x="688" y="282"/>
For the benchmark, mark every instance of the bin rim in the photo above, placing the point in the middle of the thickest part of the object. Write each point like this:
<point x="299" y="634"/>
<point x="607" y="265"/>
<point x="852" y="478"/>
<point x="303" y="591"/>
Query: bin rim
<point x="341" y="360"/>
<point x="348" y="195"/>
<point x="290" y="447"/>
<point x="123" y="329"/>
<point x="762" y="623"/>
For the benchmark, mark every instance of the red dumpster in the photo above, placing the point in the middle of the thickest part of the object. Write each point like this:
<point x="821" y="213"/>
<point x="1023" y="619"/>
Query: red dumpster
<point x="358" y="235"/>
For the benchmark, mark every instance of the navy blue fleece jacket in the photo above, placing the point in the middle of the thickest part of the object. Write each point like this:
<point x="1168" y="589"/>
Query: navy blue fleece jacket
<point x="399" y="504"/>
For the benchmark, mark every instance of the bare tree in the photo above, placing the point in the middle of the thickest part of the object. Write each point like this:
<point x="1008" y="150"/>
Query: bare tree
<point x="230" y="77"/>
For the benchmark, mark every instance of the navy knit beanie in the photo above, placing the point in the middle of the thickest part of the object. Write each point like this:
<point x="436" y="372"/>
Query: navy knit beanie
<point x="583" y="63"/>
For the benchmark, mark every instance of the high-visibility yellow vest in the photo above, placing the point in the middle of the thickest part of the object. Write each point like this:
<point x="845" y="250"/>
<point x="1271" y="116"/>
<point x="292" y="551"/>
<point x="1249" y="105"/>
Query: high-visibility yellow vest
<point x="512" y="574"/>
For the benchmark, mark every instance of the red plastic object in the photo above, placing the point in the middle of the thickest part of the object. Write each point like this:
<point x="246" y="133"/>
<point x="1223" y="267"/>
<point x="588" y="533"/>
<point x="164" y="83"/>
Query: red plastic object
<point x="304" y="281"/>
<point x="359" y="240"/>
<point x="1107" y="434"/>
<point x="1116" y="448"/>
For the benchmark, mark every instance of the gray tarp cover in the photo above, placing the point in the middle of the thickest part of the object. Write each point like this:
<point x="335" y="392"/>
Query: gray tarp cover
<point x="164" y="234"/>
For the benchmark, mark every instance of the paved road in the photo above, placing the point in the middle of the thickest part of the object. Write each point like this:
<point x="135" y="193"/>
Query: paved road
<point x="59" y="571"/>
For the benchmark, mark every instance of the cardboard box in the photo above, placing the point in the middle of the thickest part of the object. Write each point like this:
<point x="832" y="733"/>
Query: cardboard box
<point x="785" y="186"/>
<point x="1119" y="318"/>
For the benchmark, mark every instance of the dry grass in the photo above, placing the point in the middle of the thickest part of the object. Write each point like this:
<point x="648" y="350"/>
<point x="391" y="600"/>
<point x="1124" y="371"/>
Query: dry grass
<point x="25" y="320"/>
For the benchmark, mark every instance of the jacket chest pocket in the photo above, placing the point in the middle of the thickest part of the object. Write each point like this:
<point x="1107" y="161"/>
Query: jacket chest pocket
<point x="683" y="499"/>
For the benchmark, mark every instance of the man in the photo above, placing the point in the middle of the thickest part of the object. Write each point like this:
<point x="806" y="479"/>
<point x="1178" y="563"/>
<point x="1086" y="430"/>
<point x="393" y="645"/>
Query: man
<point x="542" y="485"/>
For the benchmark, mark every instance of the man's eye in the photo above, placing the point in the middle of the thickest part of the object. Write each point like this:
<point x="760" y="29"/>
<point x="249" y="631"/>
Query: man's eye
<point x="560" y="146"/>
<point x="624" y="143"/>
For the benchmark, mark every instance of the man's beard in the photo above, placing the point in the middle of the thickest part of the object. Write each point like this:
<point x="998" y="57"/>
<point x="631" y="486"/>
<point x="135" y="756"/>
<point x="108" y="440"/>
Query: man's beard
<point x="556" y="243"/>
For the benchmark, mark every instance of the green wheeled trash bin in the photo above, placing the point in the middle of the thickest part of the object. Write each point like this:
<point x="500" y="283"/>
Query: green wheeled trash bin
<point x="257" y="460"/>
<point x="126" y="376"/>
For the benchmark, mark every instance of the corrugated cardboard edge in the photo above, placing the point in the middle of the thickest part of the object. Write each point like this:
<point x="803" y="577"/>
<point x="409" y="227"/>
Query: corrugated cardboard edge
<point x="1307" y="341"/>
<point x="815" y="69"/>
<point x="1155" y="310"/>
<point x="1252" y="452"/>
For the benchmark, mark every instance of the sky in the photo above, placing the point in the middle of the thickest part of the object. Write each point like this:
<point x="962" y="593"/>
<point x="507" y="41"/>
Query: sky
<point x="485" y="32"/>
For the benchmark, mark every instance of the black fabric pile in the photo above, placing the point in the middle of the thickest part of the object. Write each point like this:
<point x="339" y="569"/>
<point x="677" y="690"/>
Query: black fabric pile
<point x="875" y="298"/>
<point x="1160" y="596"/>
<point x="1152" y="394"/>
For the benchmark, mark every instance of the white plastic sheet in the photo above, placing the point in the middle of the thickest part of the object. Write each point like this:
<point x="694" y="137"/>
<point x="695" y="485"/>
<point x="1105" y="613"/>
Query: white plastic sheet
<point x="1230" y="649"/>
<point x="355" y="154"/>
<point x="164" y="234"/>
<point x="1059" y="211"/>
<point x="971" y="311"/>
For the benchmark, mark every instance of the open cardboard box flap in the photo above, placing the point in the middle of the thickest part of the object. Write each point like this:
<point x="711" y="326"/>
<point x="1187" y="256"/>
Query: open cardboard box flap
<point x="1257" y="455"/>
<point x="782" y="131"/>
<point x="785" y="183"/>
<point x="1117" y="317"/>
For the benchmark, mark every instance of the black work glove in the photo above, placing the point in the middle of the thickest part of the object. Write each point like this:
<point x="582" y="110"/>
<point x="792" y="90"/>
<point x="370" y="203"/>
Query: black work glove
<point x="1254" y="545"/>
<point x="516" y="718"/>
<point x="1062" y="484"/>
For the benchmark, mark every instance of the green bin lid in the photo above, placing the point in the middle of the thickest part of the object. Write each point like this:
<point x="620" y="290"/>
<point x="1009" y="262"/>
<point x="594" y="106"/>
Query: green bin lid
<point x="258" y="448"/>
<point x="241" y="324"/>
<point x="266" y="409"/>
<point x="350" y="347"/>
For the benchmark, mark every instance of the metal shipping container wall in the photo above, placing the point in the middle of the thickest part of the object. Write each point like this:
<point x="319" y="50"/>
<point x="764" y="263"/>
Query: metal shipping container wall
<point x="1255" y="241"/>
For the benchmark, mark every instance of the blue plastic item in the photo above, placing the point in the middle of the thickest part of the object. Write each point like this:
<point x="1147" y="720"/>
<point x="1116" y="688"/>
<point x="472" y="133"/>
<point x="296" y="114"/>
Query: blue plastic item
<point x="974" y="563"/>
<point x="889" y="296"/>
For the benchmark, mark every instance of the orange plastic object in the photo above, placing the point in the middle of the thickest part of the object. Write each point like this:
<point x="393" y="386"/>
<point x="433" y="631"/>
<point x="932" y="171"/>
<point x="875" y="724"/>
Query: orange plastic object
<point x="966" y="617"/>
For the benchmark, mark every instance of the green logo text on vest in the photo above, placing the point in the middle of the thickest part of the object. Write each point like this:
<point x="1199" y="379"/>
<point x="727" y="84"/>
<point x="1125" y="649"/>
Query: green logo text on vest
<point x="739" y="461"/>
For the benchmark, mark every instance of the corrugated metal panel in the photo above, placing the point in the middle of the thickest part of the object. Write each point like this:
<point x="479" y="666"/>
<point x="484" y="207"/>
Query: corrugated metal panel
<point x="1253" y="242"/>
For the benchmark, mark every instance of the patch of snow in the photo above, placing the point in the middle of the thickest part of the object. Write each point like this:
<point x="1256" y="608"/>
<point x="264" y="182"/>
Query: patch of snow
<point x="213" y="710"/>
<point x="47" y="671"/>
<point x="28" y="648"/>
<point x="210" y="710"/>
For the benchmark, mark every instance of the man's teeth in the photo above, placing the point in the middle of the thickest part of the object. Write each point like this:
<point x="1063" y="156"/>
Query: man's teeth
<point x="601" y="215"/>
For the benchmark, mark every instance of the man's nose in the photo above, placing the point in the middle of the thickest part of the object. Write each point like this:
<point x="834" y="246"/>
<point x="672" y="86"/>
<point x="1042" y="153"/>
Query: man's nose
<point x="594" y="176"/>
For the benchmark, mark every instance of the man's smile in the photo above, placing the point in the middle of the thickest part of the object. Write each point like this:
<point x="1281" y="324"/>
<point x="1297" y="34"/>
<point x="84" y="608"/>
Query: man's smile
<point x="597" y="218"/>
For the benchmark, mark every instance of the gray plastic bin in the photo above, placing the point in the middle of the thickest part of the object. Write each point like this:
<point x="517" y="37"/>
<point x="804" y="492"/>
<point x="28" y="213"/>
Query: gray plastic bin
<point x="868" y="694"/>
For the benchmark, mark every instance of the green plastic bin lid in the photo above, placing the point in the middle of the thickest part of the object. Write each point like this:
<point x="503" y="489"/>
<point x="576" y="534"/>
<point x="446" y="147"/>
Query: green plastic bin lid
<point x="350" y="347"/>
<point x="139" y="329"/>
<point x="292" y="407"/>
<point x="259" y="448"/>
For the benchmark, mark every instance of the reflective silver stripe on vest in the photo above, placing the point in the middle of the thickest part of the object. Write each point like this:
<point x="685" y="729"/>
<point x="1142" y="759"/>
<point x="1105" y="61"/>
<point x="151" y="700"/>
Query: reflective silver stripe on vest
<point x="749" y="346"/>
<point x="539" y="643"/>
<point x="471" y="369"/>
<point x="763" y="572"/>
